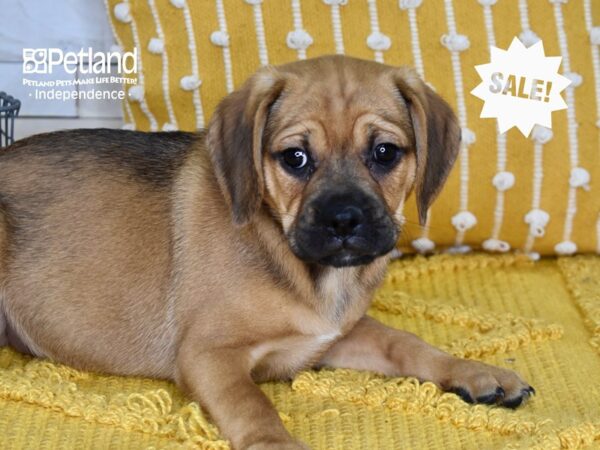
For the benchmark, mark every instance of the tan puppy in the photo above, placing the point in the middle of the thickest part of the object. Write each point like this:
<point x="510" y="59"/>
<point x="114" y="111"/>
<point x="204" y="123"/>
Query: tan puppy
<point x="241" y="254"/>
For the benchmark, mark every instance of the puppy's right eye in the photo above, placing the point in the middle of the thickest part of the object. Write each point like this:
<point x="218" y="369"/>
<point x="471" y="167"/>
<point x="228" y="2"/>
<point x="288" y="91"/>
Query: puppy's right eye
<point x="386" y="154"/>
<point x="295" y="159"/>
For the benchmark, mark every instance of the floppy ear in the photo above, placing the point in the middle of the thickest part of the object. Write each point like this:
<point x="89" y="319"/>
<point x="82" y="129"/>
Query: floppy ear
<point x="235" y="141"/>
<point x="437" y="136"/>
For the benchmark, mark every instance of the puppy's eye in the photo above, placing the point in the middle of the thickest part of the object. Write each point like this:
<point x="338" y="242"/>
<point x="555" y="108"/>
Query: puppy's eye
<point x="295" y="159"/>
<point x="386" y="154"/>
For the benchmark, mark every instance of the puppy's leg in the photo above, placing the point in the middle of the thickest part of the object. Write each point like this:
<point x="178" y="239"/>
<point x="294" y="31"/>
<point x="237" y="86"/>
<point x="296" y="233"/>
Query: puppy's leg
<point x="371" y="345"/>
<point x="220" y="381"/>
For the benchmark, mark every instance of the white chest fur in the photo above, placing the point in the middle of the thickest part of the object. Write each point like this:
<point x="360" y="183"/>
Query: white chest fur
<point x="337" y="289"/>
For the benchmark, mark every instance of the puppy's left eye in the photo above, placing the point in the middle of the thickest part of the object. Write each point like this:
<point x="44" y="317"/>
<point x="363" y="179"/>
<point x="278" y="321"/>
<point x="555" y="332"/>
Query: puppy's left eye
<point x="295" y="158"/>
<point x="386" y="154"/>
<point x="296" y="161"/>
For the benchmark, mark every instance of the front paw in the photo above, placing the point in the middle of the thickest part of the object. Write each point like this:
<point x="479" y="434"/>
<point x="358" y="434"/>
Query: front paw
<point x="476" y="382"/>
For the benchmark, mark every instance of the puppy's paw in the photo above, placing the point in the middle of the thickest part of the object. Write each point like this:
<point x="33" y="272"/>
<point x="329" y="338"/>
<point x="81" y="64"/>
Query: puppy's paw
<point x="279" y="445"/>
<point x="476" y="382"/>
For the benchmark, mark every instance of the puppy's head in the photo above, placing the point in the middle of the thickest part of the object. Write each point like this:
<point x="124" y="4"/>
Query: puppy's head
<point x="331" y="148"/>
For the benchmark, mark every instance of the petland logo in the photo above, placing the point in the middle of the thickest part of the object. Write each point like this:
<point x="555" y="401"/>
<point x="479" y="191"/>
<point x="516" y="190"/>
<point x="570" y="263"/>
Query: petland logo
<point x="44" y="60"/>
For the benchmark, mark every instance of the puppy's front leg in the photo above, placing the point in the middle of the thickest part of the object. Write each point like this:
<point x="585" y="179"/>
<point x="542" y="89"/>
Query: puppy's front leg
<point x="220" y="381"/>
<point x="371" y="345"/>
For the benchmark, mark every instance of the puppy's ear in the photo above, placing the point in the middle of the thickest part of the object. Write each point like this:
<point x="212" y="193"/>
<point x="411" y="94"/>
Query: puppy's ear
<point x="235" y="142"/>
<point x="437" y="136"/>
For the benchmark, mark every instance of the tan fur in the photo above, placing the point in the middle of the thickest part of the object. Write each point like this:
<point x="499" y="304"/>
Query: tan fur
<point x="188" y="274"/>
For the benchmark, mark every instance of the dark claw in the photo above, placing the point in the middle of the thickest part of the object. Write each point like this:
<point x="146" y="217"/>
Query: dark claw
<point x="513" y="403"/>
<point x="491" y="399"/>
<point x="527" y="392"/>
<point x="462" y="393"/>
<point x="500" y="392"/>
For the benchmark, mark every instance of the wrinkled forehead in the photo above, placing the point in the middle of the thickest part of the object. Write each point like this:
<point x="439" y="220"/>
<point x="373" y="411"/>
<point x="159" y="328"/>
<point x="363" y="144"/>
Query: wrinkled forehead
<point x="340" y="107"/>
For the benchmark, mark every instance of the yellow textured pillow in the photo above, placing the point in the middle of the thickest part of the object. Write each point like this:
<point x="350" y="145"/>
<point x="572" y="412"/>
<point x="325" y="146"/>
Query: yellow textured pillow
<point x="506" y="192"/>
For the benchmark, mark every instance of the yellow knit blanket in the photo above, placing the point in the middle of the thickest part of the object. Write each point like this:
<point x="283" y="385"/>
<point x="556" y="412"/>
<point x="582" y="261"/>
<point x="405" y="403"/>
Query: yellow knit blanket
<point x="542" y="319"/>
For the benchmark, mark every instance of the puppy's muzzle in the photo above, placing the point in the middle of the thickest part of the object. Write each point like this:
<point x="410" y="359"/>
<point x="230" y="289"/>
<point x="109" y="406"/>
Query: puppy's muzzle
<point x="343" y="229"/>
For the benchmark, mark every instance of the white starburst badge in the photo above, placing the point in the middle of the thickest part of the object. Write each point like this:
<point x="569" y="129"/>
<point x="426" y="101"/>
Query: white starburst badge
<point x="521" y="87"/>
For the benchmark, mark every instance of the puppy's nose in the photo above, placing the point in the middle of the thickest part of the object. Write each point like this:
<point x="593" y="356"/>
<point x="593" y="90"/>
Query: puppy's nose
<point x="343" y="221"/>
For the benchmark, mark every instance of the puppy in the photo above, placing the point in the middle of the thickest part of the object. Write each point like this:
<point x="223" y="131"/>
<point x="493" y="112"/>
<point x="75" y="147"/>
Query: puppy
<point x="235" y="255"/>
